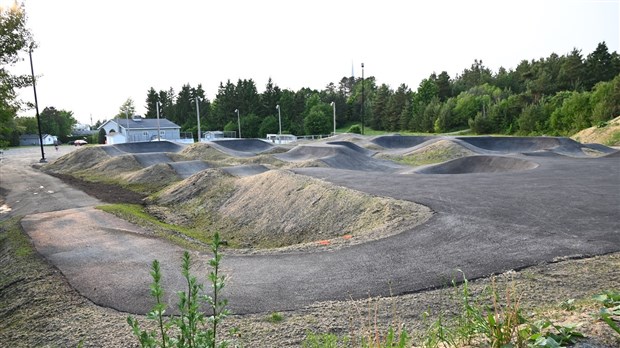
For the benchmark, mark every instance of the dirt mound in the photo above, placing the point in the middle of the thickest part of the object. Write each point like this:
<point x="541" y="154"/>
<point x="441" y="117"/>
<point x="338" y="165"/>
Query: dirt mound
<point x="436" y="152"/>
<point x="152" y="178"/>
<point x="479" y="164"/>
<point x="609" y="134"/>
<point x="115" y="166"/>
<point x="205" y="152"/>
<point x="279" y="208"/>
<point x="79" y="159"/>
<point x="209" y="183"/>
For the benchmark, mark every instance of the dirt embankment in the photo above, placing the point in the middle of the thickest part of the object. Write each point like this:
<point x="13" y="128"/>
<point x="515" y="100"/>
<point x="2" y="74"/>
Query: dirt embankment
<point x="279" y="208"/>
<point x="608" y="134"/>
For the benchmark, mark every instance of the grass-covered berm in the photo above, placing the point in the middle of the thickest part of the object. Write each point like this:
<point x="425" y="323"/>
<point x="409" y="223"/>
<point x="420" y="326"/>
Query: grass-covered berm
<point x="279" y="208"/>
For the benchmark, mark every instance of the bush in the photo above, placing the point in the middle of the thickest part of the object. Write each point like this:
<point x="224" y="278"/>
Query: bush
<point x="355" y="129"/>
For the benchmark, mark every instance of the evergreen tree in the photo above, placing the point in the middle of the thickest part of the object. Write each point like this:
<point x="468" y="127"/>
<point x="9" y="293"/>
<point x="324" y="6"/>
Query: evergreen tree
<point x="599" y="66"/>
<point x="269" y="99"/>
<point x="152" y="97"/>
<point x="444" y="86"/>
<point x="572" y="72"/>
<point x="380" y="108"/>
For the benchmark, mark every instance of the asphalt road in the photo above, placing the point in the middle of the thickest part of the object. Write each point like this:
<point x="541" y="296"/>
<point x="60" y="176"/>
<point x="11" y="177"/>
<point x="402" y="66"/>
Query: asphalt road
<point x="484" y="224"/>
<point x="28" y="191"/>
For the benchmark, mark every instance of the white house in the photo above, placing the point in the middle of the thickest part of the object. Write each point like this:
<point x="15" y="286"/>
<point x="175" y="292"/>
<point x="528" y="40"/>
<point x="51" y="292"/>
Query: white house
<point x="33" y="139"/>
<point x="138" y="129"/>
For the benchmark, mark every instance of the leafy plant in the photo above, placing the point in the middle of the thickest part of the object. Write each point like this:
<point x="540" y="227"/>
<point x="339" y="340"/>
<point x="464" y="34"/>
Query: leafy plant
<point x="498" y="323"/>
<point x="194" y="328"/>
<point x="568" y="305"/>
<point x="544" y="333"/>
<point x="610" y="313"/>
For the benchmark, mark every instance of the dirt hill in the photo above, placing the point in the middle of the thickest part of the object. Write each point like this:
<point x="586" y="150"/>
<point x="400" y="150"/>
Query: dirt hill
<point x="608" y="135"/>
<point x="279" y="208"/>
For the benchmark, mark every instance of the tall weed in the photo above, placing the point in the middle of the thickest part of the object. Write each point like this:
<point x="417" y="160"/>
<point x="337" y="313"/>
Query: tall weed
<point x="193" y="328"/>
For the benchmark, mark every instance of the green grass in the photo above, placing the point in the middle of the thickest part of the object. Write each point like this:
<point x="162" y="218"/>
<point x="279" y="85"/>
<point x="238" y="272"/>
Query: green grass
<point x="11" y="232"/>
<point x="370" y="131"/>
<point x="135" y="213"/>
<point x="275" y="317"/>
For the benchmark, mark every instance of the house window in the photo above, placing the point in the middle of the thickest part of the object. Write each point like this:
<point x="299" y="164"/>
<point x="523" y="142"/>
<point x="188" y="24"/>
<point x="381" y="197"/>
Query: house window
<point x="145" y="133"/>
<point x="162" y="132"/>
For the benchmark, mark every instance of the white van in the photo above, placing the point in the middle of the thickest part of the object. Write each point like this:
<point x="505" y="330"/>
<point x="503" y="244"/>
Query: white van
<point x="281" y="138"/>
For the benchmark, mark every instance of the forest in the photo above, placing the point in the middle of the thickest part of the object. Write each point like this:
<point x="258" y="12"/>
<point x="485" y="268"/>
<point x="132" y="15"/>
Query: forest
<point x="556" y="95"/>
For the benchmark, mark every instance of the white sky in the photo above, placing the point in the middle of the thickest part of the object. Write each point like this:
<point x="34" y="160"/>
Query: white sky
<point x="93" y="55"/>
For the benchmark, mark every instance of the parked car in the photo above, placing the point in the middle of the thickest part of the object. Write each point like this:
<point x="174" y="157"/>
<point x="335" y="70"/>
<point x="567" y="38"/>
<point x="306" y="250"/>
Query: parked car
<point x="80" y="142"/>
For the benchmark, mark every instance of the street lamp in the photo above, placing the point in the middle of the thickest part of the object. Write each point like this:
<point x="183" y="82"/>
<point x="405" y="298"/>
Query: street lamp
<point x="279" y="124"/>
<point x="334" y="105"/>
<point x="158" y="130"/>
<point x="198" y="117"/>
<point x="127" y="128"/>
<point x="238" y="122"/>
<point x="36" y="104"/>
<point x="362" y="98"/>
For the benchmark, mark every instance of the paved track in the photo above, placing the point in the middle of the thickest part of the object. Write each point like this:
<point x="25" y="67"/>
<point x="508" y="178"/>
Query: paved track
<point x="484" y="223"/>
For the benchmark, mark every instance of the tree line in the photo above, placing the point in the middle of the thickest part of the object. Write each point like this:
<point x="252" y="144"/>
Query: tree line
<point x="556" y="95"/>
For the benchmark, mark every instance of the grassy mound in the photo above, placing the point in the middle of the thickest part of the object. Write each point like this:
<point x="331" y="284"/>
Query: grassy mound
<point x="151" y="179"/>
<point x="80" y="159"/>
<point x="205" y="152"/>
<point x="279" y="208"/>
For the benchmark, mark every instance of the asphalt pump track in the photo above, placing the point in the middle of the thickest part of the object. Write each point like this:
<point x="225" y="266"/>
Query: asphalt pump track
<point x="484" y="223"/>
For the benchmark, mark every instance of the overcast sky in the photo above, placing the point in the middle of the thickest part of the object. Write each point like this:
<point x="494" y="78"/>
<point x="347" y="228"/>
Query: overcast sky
<point x="93" y="55"/>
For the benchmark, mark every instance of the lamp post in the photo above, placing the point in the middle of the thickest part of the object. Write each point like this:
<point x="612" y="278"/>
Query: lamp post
<point x="238" y="122"/>
<point x="279" y="125"/>
<point x="362" y="98"/>
<point x="334" y="106"/>
<point x="158" y="130"/>
<point x="127" y="128"/>
<point x="198" y="117"/>
<point x="36" y="104"/>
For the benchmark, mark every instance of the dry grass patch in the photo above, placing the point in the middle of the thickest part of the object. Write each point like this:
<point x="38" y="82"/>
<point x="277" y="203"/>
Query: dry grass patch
<point x="607" y="135"/>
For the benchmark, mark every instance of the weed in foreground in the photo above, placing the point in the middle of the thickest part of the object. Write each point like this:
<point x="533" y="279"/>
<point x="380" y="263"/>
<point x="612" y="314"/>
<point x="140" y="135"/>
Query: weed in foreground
<point x="193" y="327"/>
<point x="491" y="320"/>
<point x="610" y="313"/>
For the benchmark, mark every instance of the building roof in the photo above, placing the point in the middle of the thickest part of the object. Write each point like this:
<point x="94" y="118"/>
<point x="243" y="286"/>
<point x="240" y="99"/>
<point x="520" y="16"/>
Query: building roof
<point x="33" y="136"/>
<point x="143" y="123"/>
